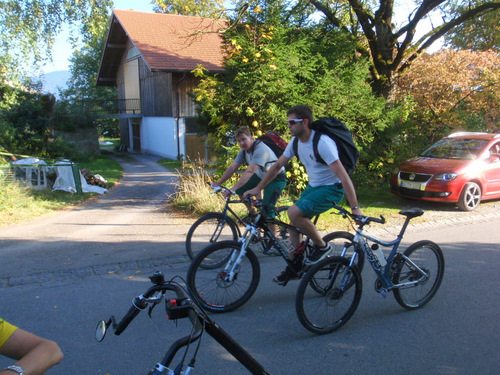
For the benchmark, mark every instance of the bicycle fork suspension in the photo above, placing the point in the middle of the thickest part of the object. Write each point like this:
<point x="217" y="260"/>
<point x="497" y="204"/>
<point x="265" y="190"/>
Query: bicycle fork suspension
<point x="233" y="265"/>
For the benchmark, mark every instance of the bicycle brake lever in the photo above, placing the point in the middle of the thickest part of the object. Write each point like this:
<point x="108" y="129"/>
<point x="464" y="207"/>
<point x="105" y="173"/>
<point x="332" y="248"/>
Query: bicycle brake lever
<point x="150" y="310"/>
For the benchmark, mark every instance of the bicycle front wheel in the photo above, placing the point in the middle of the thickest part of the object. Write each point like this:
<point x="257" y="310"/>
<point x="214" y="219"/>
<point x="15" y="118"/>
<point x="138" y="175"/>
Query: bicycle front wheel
<point x="423" y="264"/>
<point x="343" y="240"/>
<point x="210" y="228"/>
<point x="213" y="287"/>
<point x="340" y="287"/>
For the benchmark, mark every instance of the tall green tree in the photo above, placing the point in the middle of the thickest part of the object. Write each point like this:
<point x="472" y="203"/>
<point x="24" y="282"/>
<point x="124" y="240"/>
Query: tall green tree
<point x="271" y="66"/>
<point x="201" y="8"/>
<point x="392" y="48"/>
<point x="84" y="66"/>
<point x="28" y="29"/>
<point x="479" y="34"/>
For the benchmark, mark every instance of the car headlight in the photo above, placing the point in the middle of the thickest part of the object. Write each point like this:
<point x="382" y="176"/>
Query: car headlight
<point x="446" y="176"/>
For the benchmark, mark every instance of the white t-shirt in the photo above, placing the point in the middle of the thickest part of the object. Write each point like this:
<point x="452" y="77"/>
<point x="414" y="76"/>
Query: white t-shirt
<point x="262" y="155"/>
<point x="319" y="174"/>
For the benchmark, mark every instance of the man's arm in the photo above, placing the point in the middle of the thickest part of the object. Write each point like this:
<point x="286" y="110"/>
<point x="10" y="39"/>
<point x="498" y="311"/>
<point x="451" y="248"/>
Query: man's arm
<point x="268" y="177"/>
<point x="228" y="173"/>
<point x="245" y="176"/>
<point x="34" y="354"/>
<point x="339" y="170"/>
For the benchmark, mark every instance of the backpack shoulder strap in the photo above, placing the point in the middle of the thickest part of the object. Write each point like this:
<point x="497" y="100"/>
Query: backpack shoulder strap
<point x="316" y="137"/>
<point x="295" y="146"/>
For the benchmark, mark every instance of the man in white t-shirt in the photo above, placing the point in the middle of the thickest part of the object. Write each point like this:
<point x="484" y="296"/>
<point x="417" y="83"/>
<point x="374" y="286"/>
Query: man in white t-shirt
<point x="327" y="184"/>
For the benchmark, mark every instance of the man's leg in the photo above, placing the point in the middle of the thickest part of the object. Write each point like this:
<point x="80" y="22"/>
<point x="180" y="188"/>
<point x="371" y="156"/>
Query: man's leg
<point x="250" y="184"/>
<point x="272" y="193"/>
<point x="314" y="201"/>
<point x="305" y="224"/>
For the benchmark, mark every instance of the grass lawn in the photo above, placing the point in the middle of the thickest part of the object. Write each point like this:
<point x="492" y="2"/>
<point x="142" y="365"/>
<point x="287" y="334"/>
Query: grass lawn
<point x="196" y="198"/>
<point x="19" y="203"/>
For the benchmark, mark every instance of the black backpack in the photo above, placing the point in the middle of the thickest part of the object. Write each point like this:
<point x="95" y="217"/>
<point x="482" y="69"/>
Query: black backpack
<point x="338" y="131"/>
<point x="274" y="142"/>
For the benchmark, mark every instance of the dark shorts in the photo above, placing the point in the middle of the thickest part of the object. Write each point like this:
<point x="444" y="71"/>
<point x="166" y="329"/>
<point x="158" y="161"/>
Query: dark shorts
<point x="316" y="200"/>
<point x="272" y="191"/>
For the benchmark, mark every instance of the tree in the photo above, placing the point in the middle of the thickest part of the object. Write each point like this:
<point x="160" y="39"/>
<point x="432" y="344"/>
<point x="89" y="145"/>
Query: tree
<point x="84" y="68"/>
<point x="201" y="8"/>
<point x="480" y="34"/>
<point x="454" y="90"/>
<point x="28" y="29"/>
<point x="271" y="66"/>
<point x="392" y="50"/>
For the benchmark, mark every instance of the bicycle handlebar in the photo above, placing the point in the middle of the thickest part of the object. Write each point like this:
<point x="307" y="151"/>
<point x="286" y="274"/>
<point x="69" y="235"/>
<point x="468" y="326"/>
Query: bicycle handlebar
<point x="181" y="308"/>
<point x="137" y="306"/>
<point x="220" y="187"/>
<point x="363" y="220"/>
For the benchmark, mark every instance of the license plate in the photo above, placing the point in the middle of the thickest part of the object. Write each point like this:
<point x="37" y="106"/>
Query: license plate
<point x="412" y="185"/>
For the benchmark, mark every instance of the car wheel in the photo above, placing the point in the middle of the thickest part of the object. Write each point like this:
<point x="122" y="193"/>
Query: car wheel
<point x="470" y="197"/>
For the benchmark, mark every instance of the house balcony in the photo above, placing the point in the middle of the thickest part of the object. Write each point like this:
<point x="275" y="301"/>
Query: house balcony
<point x="118" y="108"/>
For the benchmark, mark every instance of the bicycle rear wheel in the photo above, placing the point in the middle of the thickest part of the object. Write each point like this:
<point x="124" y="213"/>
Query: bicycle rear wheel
<point x="210" y="228"/>
<point x="423" y="261"/>
<point x="212" y="287"/>
<point x="331" y="302"/>
<point x="339" y="241"/>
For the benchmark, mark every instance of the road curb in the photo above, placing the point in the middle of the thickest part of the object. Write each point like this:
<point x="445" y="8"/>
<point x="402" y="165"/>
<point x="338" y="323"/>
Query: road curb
<point x="71" y="275"/>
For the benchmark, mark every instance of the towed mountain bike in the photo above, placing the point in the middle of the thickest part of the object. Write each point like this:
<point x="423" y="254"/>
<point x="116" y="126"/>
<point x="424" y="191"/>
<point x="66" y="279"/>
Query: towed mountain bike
<point x="220" y="226"/>
<point x="180" y="307"/>
<point x="225" y="275"/>
<point x="414" y="276"/>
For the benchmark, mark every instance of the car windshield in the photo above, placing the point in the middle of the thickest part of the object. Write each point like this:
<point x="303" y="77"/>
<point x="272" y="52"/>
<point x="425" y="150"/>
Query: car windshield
<point x="456" y="148"/>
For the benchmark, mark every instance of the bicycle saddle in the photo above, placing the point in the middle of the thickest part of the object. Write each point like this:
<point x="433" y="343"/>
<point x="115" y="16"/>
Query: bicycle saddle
<point x="412" y="212"/>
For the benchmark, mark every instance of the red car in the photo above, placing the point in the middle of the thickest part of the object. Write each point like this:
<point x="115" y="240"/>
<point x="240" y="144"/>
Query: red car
<point x="463" y="168"/>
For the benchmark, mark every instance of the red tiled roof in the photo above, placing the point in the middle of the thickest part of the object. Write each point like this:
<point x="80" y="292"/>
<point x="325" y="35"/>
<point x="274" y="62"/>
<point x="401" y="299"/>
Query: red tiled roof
<point x="172" y="42"/>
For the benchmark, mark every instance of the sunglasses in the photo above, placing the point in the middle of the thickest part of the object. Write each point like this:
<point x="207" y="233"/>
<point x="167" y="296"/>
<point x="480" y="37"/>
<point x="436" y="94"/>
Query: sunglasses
<point x="294" y="121"/>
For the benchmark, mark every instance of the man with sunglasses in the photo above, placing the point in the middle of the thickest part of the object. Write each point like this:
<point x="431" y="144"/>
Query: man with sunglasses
<point x="327" y="183"/>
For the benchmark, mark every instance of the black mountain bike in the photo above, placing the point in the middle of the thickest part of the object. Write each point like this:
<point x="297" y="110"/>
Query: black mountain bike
<point x="221" y="226"/>
<point x="226" y="274"/>
<point x="180" y="307"/>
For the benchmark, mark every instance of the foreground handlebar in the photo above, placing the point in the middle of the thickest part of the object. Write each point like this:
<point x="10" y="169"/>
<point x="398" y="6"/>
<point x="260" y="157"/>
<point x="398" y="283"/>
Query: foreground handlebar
<point x="137" y="306"/>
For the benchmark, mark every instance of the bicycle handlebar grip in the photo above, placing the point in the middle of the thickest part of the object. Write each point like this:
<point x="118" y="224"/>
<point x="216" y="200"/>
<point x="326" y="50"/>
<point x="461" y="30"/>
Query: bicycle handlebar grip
<point x="137" y="306"/>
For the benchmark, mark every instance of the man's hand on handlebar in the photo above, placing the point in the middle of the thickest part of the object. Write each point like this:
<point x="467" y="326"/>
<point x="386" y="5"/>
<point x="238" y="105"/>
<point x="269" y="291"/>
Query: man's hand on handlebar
<point x="255" y="192"/>
<point x="357" y="215"/>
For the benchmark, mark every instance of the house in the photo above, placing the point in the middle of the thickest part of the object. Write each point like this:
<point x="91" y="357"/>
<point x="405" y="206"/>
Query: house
<point x="149" y="57"/>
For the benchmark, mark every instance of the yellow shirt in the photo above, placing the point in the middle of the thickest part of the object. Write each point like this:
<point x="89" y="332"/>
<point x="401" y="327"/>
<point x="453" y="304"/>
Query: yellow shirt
<point x="6" y="330"/>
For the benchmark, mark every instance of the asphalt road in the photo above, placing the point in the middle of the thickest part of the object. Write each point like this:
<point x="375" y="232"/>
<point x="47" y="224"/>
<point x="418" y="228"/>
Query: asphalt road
<point x="59" y="275"/>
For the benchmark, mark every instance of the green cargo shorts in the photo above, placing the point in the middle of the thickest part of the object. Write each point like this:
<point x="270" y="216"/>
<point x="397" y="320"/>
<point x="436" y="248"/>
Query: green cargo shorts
<point x="272" y="191"/>
<point x="316" y="200"/>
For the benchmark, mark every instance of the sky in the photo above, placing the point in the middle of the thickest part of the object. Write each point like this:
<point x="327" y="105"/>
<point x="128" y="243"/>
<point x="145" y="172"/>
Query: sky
<point x="62" y="49"/>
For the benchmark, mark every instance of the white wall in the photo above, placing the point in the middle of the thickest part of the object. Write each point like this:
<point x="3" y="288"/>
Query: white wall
<point x="159" y="136"/>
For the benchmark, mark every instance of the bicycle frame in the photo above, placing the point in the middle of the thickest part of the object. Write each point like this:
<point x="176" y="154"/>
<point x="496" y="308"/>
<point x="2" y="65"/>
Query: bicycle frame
<point x="361" y="239"/>
<point x="251" y="230"/>
<point x="221" y="224"/>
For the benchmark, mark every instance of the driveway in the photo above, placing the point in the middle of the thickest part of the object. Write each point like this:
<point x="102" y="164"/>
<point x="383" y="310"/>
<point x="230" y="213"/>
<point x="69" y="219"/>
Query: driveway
<point x="125" y="229"/>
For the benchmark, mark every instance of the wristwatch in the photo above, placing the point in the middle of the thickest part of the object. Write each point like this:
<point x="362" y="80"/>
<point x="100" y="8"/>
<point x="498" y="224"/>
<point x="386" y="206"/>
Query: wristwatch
<point x="15" y="368"/>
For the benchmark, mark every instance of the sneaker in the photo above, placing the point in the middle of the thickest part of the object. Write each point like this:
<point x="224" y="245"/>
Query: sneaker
<point x="317" y="254"/>
<point x="285" y="276"/>
<point x="270" y="249"/>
